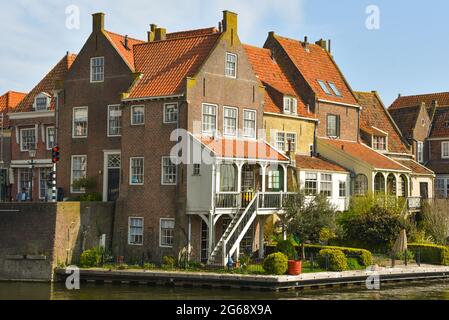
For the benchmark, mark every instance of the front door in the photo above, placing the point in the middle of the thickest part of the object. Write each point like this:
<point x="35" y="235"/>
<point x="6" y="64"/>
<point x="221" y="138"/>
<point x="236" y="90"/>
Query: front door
<point x="424" y="190"/>
<point x="113" y="176"/>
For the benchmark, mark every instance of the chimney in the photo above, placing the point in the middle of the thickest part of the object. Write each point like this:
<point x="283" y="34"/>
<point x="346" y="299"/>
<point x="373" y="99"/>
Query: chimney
<point x="322" y="43"/>
<point x="306" y="43"/>
<point x="98" y="21"/>
<point x="329" y="42"/>
<point x="126" y="42"/>
<point x="229" y="22"/>
<point x="399" y="95"/>
<point x="160" y="34"/>
<point x="151" y="33"/>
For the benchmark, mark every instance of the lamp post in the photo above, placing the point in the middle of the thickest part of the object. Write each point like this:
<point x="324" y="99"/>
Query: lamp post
<point x="32" y="153"/>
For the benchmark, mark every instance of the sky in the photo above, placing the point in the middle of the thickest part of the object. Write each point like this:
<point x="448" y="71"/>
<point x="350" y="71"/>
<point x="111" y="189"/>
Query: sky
<point x="393" y="47"/>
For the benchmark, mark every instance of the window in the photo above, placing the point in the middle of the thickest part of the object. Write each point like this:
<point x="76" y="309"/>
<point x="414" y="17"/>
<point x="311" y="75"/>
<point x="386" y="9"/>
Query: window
<point x="231" y="65"/>
<point x="228" y="180"/>
<point x="361" y="185"/>
<point x="41" y="102"/>
<point x="209" y="118"/>
<point x="282" y="141"/>
<point x="27" y="139"/>
<point x="230" y="121"/>
<point x="114" y="121"/>
<point x="342" y="189"/>
<point x="79" y="171"/>
<point x="333" y="126"/>
<point x="196" y="169"/>
<point x="136" y="168"/>
<point x="135" y="231"/>
<point x="324" y="87"/>
<point x="50" y="137"/>
<point x="326" y="185"/>
<point x="171" y="113"/>
<point x="97" y="69"/>
<point x="274" y="180"/>
<point x="80" y="122"/>
<point x="167" y="232"/>
<point x="440" y="188"/>
<point x="249" y="124"/>
<point x="290" y="105"/>
<point x="420" y="152"/>
<point x="379" y="143"/>
<point x="311" y="184"/>
<point x="44" y="174"/>
<point x="25" y="180"/>
<point x="334" y="89"/>
<point x="137" y="115"/>
<point x="169" y="171"/>
<point x="445" y="150"/>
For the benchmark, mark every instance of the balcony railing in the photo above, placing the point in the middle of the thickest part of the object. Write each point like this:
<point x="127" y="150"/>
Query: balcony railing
<point x="267" y="200"/>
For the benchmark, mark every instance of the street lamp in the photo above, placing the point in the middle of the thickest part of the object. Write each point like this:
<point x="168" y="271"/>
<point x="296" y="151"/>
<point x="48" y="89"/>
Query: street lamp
<point x="32" y="153"/>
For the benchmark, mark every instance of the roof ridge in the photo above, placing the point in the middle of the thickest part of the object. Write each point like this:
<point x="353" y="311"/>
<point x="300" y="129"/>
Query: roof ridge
<point x="121" y="35"/>
<point x="194" y="30"/>
<point x="180" y="38"/>
<point x="423" y="94"/>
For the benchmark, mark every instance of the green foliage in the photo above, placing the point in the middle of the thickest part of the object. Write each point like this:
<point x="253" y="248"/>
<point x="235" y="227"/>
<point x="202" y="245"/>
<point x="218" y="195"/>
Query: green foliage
<point x="353" y="264"/>
<point x="245" y="260"/>
<point x="430" y="253"/>
<point x="123" y="266"/>
<point x="91" y="197"/>
<point x="327" y="234"/>
<point x="149" y="266"/>
<point x="436" y="221"/>
<point x="169" y="261"/>
<point x="88" y="184"/>
<point x="333" y="259"/>
<point x="91" y="258"/>
<point x="364" y="257"/>
<point x="287" y="247"/>
<point x="401" y="255"/>
<point x="276" y="264"/>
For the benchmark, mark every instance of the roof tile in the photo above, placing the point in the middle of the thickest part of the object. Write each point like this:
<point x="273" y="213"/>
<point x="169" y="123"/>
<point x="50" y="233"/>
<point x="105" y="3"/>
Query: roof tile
<point x="127" y="53"/>
<point x="416" y="100"/>
<point x="317" y="163"/>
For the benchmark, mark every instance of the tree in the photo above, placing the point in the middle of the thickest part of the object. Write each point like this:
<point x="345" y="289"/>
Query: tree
<point x="436" y="221"/>
<point x="306" y="218"/>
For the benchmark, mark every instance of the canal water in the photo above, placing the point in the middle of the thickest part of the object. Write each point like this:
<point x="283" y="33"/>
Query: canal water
<point x="435" y="290"/>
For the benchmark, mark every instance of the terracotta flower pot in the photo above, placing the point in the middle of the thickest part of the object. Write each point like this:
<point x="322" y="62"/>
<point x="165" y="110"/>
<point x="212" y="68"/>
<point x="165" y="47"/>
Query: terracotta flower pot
<point x="294" y="267"/>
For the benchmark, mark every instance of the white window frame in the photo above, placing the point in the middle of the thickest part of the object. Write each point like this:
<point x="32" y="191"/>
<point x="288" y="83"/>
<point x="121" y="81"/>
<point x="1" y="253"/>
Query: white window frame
<point x="21" y="138"/>
<point x="74" y="136"/>
<point x="47" y="140"/>
<point x="163" y="172"/>
<point x="92" y="71"/>
<point x="211" y="132"/>
<point x="255" y="123"/>
<point x="376" y="144"/>
<point x="285" y="134"/>
<point x="445" y="145"/>
<point x="166" y="121"/>
<point x="46" y="181"/>
<point x="196" y="169"/>
<point x="160" y="232"/>
<point x="71" y="174"/>
<point x="129" y="231"/>
<point x="328" y="183"/>
<point x="340" y="183"/>
<point x="236" y="121"/>
<point x="131" y="183"/>
<point x="109" y="118"/>
<point x="420" y="151"/>
<point x="39" y="96"/>
<point x="290" y="105"/>
<point x="228" y="69"/>
<point x="315" y="180"/>
<point x="132" y="115"/>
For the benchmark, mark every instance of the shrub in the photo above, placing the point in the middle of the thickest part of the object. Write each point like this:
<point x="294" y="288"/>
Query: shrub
<point x="353" y="264"/>
<point x="91" y="197"/>
<point x="333" y="259"/>
<point x="287" y="247"/>
<point x="123" y="266"/>
<point x="91" y="258"/>
<point x="149" y="266"/>
<point x="169" y="261"/>
<point x="401" y="255"/>
<point x="364" y="257"/>
<point x="276" y="264"/>
<point x="430" y="253"/>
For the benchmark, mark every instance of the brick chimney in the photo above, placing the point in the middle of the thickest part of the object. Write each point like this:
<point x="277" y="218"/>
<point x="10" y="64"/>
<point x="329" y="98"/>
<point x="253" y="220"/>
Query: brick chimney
<point x="160" y="34"/>
<point x="322" y="43"/>
<point x="230" y="27"/>
<point x="98" y="21"/>
<point x="151" y="33"/>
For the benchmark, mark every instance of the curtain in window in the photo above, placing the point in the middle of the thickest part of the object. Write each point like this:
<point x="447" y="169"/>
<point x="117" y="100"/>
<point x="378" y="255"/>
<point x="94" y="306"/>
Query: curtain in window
<point x="227" y="178"/>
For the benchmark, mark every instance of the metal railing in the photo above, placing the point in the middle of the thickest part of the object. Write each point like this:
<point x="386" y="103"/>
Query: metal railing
<point x="267" y="200"/>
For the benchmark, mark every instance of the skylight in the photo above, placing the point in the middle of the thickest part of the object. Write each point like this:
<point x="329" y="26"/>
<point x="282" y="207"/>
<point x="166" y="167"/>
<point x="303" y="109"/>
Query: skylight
<point x="324" y="87"/>
<point x="335" y="89"/>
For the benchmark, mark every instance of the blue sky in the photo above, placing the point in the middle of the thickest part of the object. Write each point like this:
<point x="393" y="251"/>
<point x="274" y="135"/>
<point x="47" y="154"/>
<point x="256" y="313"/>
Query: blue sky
<point x="407" y="55"/>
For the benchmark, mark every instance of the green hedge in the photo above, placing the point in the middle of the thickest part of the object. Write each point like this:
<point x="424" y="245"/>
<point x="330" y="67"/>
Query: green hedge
<point x="430" y="253"/>
<point x="333" y="259"/>
<point x="276" y="264"/>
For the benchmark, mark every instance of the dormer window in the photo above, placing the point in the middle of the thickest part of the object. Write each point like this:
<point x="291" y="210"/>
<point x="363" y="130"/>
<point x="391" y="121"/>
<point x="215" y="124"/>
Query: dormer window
<point x="334" y="89"/>
<point x="290" y="105"/>
<point x="42" y="102"/>
<point x="324" y="87"/>
<point x="380" y="143"/>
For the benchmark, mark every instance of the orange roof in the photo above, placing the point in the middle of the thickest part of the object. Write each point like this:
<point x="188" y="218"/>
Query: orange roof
<point x="165" y="65"/>
<point x="416" y="100"/>
<point x="47" y="84"/>
<point x="440" y="126"/>
<point x="317" y="163"/>
<point x="8" y="102"/>
<point x="365" y="154"/>
<point x="415" y="167"/>
<point x="375" y="120"/>
<point x="315" y="63"/>
<point x="127" y="53"/>
<point x="273" y="78"/>
<point x="242" y="149"/>
<point x="191" y="33"/>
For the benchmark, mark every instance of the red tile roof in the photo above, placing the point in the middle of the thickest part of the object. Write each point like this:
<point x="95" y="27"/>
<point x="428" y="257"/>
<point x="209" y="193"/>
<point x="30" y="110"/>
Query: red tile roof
<point x="440" y="126"/>
<point x="8" y="102"/>
<point x="365" y="154"/>
<point x="47" y="84"/>
<point x="405" y="119"/>
<point x="317" y="163"/>
<point x="242" y="149"/>
<point x="315" y="63"/>
<point x="415" y="167"/>
<point x="274" y="79"/>
<point x="375" y="120"/>
<point x="191" y="33"/>
<point x="438" y="166"/>
<point x="127" y="53"/>
<point x="165" y="65"/>
<point x="416" y="100"/>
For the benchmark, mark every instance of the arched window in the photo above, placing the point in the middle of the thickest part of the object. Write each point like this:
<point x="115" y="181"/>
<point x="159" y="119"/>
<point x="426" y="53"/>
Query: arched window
<point x="391" y="185"/>
<point x="361" y="185"/>
<point x="379" y="183"/>
<point x="402" y="191"/>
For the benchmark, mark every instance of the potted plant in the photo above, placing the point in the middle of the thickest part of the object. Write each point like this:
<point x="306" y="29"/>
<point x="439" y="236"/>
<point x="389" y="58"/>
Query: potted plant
<point x="288" y="247"/>
<point x="295" y="266"/>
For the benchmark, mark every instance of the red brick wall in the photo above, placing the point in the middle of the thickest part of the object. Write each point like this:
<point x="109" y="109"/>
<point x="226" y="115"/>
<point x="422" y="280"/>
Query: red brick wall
<point x="349" y="117"/>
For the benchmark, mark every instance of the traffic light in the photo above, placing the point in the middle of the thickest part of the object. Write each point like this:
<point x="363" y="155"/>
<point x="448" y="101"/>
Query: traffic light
<point x="55" y="154"/>
<point x="51" y="178"/>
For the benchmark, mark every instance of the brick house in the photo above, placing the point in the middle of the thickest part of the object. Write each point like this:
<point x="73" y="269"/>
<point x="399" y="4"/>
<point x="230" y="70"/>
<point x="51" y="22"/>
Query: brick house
<point x="33" y="129"/>
<point x="8" y="102"/>
<point x="424" y="119"/>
